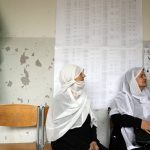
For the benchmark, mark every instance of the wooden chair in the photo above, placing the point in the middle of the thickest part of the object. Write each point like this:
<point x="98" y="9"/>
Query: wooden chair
<point x="43" y="145"/>
<point x="20" y="115"/>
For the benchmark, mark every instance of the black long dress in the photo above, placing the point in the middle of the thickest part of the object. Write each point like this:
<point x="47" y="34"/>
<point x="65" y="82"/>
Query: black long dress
<point x="78" y="138"/>
<point x="117" y="141"/>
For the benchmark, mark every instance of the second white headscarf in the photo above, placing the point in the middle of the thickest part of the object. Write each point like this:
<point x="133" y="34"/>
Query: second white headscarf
<point x="132" y="101"/>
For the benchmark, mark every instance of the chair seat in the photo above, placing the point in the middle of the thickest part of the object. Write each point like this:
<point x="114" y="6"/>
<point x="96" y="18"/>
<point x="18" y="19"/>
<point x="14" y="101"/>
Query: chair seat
<point x="18" y="146"/>
<point x="47" y="146"/>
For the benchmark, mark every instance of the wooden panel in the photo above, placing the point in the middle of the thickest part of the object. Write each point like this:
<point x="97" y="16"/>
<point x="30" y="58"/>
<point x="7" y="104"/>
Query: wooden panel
<point x="18" y="146"/>
<point x="18" y="115"/>
<point x="47" y="147"/>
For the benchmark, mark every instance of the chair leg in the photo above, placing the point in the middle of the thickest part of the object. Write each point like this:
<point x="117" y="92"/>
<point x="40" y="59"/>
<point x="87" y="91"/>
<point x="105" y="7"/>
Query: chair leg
<point x="42" y="128"/>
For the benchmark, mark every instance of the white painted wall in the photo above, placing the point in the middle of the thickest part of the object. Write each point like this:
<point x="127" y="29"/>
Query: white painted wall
<point x="146" y="20"/>
<point x="27" y="31"/>
<point x="28" y="18"/>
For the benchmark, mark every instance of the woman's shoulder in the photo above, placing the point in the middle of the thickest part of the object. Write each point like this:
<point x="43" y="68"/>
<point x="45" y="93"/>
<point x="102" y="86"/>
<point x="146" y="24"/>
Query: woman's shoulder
<point x="122" y="97"/>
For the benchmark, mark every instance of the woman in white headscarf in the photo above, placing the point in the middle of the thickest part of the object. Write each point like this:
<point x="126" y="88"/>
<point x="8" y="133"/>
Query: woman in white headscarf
<point x="130" y="110"/>
<point x="71" y="124"/>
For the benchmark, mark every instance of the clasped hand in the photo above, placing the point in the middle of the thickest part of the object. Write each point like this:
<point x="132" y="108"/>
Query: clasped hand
<point x="93" y="146"/>
<point x="145" y="125"/>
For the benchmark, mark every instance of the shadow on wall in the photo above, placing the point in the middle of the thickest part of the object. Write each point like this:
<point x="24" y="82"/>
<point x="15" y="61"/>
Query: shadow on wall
<point x="3" y="32"/>
<point x="2" y="37"/>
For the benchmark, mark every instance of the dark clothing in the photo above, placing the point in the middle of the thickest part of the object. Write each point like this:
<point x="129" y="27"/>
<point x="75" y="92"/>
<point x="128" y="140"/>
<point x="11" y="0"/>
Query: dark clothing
<point x="116" y="141"/>
<point x="78" y="138"/>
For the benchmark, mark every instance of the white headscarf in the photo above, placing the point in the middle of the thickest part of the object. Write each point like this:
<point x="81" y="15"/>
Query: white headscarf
<point x="131" y="101"/>
<point x="70" y="106"/>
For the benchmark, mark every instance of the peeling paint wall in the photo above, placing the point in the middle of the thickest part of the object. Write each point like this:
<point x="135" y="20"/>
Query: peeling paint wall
<point x="26" y="70"/>
<point x="26" y="77"/>
<point x="27" y="29"/>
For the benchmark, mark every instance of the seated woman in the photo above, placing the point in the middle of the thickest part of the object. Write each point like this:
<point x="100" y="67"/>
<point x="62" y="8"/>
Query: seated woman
<point x="71" y="124"/>
<point x="129" y="110"/>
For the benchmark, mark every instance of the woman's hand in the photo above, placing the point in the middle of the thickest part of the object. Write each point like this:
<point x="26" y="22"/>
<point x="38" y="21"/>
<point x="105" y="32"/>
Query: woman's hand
<point x="145" y="125"/>
<point x="93" y="146"/>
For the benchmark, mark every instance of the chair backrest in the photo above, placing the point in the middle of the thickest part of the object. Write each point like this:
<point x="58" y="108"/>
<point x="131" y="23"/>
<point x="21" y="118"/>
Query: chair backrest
<point x="46" y="108"/>
<point x="18" y="115"/>
<point x="44" y="116"/>
<point x="21" y="115"/>
<point x="45" y="146"/>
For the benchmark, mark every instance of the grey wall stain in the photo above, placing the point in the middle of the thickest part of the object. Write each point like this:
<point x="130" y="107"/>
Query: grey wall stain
<point x="20" y="99"/>
<point x="26" y="49"/>
<point x="5" y="138"/>
<point x="16" y="49"/>
<point x="23" y="58"/>
<point x="50" y="67"/>
<point x="25" y="80"/>
<point x="0" y="69"/>
<point x="7" y="48"/>
<point x="51" y="89"/>
<point x="9" y="83"/>
<point x="27" y="132"/>
<point x="32" y="54"/>
<point x="46" y="96"/>
<point x="38" y="63"/>
<point x="52" y="64"/>
<point x="35" y="43"/>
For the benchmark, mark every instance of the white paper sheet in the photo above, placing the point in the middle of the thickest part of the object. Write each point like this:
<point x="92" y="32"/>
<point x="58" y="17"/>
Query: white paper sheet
<point x="104" y="37"/>
<point x="146" y="48"/>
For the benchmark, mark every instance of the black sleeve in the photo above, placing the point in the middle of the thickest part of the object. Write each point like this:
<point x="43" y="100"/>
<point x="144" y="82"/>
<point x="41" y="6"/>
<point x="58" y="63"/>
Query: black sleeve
<point x="94" y="134"/>
<point x="119" y="120"/>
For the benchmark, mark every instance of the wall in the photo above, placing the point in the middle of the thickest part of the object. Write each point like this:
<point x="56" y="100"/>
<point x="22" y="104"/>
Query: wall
<point x="146" y="20"/>
<point x="27" y="31"/>
<point x="28" y="18"/>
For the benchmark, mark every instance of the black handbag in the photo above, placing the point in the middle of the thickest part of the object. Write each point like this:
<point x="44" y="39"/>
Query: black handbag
<point x="142" y="137"/>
